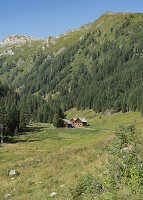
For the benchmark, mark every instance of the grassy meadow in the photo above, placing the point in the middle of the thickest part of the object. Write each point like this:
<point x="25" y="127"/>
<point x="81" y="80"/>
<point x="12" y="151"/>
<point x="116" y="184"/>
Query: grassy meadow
<point x="51" y="160"/>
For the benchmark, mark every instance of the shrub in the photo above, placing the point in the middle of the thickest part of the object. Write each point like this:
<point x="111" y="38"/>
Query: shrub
<point x="126" y="162"/>
<point x="86" y="188"/>
<point x="124" y="176"/>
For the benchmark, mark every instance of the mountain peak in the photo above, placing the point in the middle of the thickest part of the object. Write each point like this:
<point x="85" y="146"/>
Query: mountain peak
<point x="116" y="13"/>
<point x="17" y="39"/>
<point x="110" y="13"/>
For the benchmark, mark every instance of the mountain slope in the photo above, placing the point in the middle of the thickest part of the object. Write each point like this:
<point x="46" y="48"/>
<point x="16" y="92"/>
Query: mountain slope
<point x="99" y="66"/>
<point x="18" y="54"/>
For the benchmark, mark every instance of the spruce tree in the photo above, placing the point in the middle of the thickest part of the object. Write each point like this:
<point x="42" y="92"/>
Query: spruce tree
<point x="56" y="120"/>
<point x="2" y="118"/>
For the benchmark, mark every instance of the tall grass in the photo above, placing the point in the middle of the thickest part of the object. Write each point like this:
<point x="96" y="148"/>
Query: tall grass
<point x="61" y="156"/>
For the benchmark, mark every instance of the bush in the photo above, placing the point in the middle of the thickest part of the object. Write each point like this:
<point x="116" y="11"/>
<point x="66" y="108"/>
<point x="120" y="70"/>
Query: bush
<point x="87" y="188"/>
<point x="124" y="176"/>
<point x="126" y="162"/>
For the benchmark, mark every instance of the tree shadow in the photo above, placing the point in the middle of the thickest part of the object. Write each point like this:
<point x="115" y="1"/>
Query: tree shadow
<point x="17" y="139"/>
<point x="12" y="140"/>
<point x="34" y="129"/>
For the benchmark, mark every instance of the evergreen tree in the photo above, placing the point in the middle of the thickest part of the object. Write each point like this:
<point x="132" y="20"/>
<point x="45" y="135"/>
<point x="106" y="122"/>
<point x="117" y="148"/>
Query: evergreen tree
<point x="142" y="110"/>
<point x="2" y="118"/>
<point x="56" y="120"/>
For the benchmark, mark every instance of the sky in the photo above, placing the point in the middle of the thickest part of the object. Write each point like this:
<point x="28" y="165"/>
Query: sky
<point x="43" y="18"/>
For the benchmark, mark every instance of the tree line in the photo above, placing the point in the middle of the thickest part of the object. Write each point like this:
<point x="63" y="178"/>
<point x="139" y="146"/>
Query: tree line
<point x="18" y="111"/>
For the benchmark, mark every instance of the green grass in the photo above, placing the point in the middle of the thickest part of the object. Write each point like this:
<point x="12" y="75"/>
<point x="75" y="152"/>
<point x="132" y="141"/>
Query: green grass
<point x="105" y="122"/>
<point x="63" y="155"/>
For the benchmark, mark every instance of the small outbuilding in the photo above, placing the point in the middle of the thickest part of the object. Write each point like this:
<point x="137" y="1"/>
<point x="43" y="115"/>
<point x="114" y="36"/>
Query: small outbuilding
<point x="66" y="123"/>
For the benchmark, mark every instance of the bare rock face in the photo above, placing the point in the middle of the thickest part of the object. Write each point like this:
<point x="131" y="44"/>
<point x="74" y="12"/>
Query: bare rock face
<point x="7" y="52"/>
<point x="59" y="51"/>
<point x="13" y="39"/>
<point x="52" y="41"/>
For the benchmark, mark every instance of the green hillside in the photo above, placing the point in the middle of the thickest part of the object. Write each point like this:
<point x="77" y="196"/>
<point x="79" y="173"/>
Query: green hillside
<point x="97" y="66"/>
<point x="20" y="54"/>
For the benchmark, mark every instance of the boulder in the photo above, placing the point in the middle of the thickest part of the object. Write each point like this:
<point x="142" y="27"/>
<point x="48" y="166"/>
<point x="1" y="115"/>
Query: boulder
<point x="52" y="194"/>
<point x="13" y="172"/>
<point x="19" y="164"/>
<point x="38" y="183"/>
<point x="7" y="195"/>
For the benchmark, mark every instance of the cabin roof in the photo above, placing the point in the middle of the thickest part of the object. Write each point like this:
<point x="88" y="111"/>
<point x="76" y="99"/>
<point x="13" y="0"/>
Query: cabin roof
<point x="67" y="121"/>
<point x="81" y="119"/>
<point x="74" y="119"/>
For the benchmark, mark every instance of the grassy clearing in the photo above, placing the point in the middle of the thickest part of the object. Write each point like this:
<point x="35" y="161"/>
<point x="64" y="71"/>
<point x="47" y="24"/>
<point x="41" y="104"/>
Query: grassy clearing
<point x="62" y="156"/>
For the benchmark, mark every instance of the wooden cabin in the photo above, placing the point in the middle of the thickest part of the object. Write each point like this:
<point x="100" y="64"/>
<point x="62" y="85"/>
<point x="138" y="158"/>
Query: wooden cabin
<point x="79" y="122"/>
<point x="73" y="121"/>
<point x="66" y="123"/>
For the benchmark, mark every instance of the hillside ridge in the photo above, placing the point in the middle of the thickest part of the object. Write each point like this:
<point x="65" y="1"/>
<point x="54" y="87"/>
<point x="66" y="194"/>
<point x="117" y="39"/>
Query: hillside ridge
<point x="23" y="38"/>
<point x="75" y="67"/>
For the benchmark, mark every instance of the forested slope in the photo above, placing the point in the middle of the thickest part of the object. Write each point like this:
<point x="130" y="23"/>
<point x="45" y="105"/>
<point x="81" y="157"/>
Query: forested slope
<point x="18" y="111"/>
<point x="101" y="68"/>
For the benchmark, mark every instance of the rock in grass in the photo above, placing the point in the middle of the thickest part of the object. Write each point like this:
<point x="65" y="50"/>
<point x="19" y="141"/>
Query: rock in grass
<point x="13" y="172"/>
<point x="7" y="195"/>
<point x="38" y="183"/>
<point x="62" y="186"/>
<point x="52" y="194"/>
